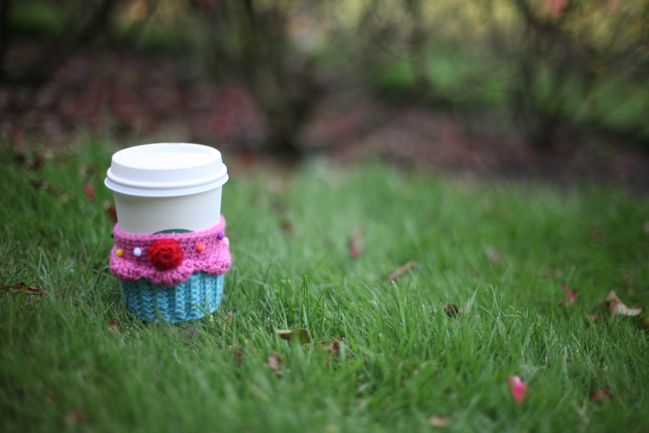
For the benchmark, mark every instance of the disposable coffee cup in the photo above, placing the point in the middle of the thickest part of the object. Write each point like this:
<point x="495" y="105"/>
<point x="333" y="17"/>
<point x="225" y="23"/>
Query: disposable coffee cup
<point x="170" y="250"/>
<point x="167" y="186"/>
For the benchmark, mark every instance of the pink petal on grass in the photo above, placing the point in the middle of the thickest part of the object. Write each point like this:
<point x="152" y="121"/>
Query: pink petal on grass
<point x="89" y="190"/>
<point x="518" y="388"/>
<point x="601" y="395"/>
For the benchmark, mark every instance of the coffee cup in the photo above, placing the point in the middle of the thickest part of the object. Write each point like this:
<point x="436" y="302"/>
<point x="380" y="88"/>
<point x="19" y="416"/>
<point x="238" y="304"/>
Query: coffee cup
<point x="170" y="249"/>
<point x="167" y="186"/>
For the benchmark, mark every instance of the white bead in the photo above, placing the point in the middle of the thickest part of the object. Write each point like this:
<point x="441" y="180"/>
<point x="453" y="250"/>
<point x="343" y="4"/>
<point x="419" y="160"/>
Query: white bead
<point x="137" y="252"/>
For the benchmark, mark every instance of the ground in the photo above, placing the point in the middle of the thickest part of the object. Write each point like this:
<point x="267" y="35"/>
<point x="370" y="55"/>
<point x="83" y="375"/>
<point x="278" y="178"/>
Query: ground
<point x="490" y="296"/>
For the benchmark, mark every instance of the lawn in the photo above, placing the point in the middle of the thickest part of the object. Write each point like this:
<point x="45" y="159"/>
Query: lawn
<point x="384" y="356"/>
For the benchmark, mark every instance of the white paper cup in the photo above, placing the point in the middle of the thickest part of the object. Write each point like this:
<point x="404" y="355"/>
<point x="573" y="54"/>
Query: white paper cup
<point x="167" y="186"/>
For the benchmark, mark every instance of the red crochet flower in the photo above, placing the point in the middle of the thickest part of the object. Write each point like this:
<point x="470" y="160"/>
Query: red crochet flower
<point x="165" y="254"/>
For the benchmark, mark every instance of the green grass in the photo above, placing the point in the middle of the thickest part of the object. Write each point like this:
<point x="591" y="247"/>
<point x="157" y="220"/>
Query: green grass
<point x="62" y="367"/>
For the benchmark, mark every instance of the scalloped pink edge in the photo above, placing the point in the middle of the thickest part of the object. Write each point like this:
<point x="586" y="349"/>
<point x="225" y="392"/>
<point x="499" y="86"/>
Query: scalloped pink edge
<point x="215" y="260"/>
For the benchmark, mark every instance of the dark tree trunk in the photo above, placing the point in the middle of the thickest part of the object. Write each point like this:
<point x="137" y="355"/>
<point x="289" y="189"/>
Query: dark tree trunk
<point x="5" y="7"/>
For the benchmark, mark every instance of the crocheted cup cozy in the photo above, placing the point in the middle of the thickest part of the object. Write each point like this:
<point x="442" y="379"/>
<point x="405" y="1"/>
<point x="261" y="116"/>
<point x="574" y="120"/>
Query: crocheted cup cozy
<point x="171" y="277"/>
<point x="198" y="296"/>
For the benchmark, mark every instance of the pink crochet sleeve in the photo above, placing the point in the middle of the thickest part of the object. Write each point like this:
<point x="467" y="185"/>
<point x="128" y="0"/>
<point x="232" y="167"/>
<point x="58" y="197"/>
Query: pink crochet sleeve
<point x="205" y="250"/>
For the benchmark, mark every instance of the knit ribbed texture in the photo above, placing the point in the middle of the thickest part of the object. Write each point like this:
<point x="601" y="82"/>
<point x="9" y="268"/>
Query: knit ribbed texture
<point x="192" y="299"/>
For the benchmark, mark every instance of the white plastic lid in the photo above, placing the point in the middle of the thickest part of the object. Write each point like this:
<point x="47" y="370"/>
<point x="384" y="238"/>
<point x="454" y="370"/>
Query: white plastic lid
<point x="166" y="170"/>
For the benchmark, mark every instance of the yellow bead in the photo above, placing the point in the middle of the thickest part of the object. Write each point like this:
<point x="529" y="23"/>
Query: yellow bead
<point x="119" y="252"/>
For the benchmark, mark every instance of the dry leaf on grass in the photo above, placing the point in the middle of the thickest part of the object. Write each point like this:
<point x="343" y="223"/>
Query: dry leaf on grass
<point x="518" y="388"/>
<point x="274" y="362"/>
<point x="355" y="243"/>
<point x="402" y="270"/>
<point x="287" y="226"/>
<point x="438" y="421"/>
<point x="75" y="417"/>
<point x="24" y="289"/>
<point x="493" y="255"/>
<point x="300" y="334"/>
<point x="237" y="354"/>
<point x="452" y="310"/>
<point x="617" y="307"/>
<point x="570" y="296"/>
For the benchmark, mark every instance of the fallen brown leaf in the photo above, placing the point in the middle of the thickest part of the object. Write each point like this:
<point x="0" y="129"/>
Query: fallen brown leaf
<point x="493" y="255"/>
<point x="601" y="395"/>
<point x="46" y="186"/>
<point x="596" y="235"/>
<point x="570" y="296"/>
<point x="274" y="362"/>
<point x="593" y="317"/>
<point x="438" y="421"/>
<point x="451" y="310"/>
<point x="402" y="270"/>
<point x="238" y="355"/>
<point x="229" y="317"/>
<point x="86" y="171"/>
<point x="355" y="243"/>
<point x="33" y="162"/>
<point x="24" y="289"/>
<point x="298" y="333"/>
<point x="74" y="417"/>
<point x="287" y="226"/>
<point x="617" y="307"/>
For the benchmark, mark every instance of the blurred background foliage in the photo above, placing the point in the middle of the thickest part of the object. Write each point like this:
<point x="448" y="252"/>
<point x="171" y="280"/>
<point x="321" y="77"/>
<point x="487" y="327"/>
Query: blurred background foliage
<point x="547" y="70"/>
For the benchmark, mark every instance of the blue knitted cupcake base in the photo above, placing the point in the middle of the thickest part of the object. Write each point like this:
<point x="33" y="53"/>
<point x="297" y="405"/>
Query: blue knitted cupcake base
<point x="190" y="300"/>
